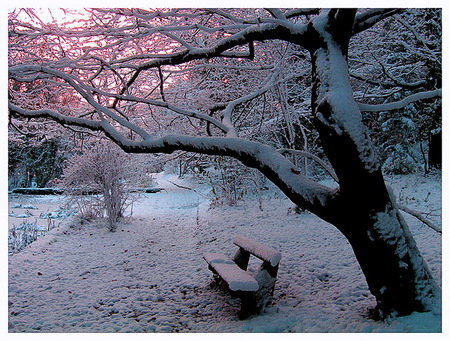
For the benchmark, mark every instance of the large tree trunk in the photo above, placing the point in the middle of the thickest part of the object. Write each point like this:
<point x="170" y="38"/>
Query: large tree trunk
<point x="395" y="271"/>
<point x="362" y="209"/>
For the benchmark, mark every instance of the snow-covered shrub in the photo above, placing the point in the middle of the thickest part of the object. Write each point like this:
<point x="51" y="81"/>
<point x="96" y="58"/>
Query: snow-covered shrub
<point x="99" y="181"/>
<point x="223" y="176"/>
<point x="88" y="207"/>
<point x="400" y="161"/>
<point x="23" y="235"/>
<point x="400" y="150"/>
<point x="231" y="181"/>
<point x="61" y="213"/>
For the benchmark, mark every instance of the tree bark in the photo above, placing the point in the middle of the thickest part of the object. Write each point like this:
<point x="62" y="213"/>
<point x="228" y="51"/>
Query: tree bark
<point x="435" y="150"/>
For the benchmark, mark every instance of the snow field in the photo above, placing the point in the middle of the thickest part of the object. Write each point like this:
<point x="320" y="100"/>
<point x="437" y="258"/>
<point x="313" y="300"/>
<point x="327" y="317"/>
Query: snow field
<point x="150" y="276"/>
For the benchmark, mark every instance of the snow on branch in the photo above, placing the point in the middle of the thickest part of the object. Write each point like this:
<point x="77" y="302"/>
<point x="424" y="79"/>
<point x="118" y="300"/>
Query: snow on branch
<point x="282" y="30"/>
<point x="55" y="116"/>
<point x="86" y="90"/>
<point x="394" y="83"/>
<point x="259" y="32"/>
<point x="312" y="196"/>
<point x="276" y="16"/>
<point x="80" y="88"/>
<point x="221" y="66"/>
<point x="269" y="161"/>
<point x="402" y="103"/>
<point x="371" y="17"/>
<point x="276" y="13"/>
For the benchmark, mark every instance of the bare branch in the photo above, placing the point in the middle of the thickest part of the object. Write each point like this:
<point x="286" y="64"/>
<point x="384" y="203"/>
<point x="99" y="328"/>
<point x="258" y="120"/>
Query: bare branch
<point x="312" y="157"/>
<point x="161" y="83"/>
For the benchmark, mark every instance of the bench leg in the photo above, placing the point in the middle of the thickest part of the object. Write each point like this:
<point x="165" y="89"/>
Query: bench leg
<point x="249" y="305"/>
<point x="254" y="303"/>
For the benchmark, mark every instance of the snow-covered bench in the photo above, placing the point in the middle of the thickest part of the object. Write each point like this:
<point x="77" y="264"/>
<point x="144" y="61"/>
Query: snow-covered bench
<point x="255" y="290"/>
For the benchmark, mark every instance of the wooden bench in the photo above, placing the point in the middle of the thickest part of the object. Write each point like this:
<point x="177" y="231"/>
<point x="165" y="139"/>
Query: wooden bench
<point x="254" y="290"/>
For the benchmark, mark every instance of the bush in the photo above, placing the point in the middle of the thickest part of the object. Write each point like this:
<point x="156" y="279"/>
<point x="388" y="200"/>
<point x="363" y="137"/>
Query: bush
<point x="99" y="181"/>
<point x="24" y="234"/>
<point x="400" y="161"/>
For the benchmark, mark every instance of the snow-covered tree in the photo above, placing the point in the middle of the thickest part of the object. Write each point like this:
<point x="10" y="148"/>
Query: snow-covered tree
<point x="135" y="75"/>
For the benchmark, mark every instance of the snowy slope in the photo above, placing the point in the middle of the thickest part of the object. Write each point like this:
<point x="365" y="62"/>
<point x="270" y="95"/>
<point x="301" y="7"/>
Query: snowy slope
<point x="150" y="275"/>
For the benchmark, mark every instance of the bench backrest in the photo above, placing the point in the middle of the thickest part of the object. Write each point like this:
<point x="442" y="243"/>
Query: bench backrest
<point x="263" y="252"/>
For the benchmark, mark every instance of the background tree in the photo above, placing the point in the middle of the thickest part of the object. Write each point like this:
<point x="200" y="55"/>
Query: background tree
<point x="124" y="66"/>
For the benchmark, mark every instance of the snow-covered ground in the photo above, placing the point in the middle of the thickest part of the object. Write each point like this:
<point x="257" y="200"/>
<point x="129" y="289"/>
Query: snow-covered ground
<point x="32" y="209"/>
<point x="149" y="275"/>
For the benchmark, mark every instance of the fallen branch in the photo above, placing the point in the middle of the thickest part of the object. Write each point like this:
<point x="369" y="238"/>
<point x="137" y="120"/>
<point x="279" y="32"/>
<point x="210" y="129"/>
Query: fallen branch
<point x="188" y="188"/>
<point x="179" y="186"/>
<point x="420" y="217"/>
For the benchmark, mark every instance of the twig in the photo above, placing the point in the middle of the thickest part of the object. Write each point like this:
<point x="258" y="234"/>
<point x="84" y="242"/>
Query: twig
<point x="188" y="188"/>
<point x="313" y="157"/>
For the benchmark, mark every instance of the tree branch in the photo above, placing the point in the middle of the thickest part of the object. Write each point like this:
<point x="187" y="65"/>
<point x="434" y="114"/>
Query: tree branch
<point x="276" y="13"/>
<point x="80" y="88"/>
<point x="341" y="22"/>
<point x="84" y="90"/>
<point x="161" y="83"/>
<point x="286" y="31"/>
<point x="312" y="157"/>
<point x="270" y="162"/>
<point x="371" y="17"/>
<point x="420" y="217"/>
<point x="394" y="83"/>
<point x="402" y="103"/>
<point x="55" y="116"/>
<point x="311" y="195"/>
<point x="301" y="12"/>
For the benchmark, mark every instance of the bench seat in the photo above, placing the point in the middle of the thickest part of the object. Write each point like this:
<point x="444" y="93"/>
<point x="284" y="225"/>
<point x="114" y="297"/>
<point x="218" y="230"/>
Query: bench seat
<point x="236" y="278"/>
